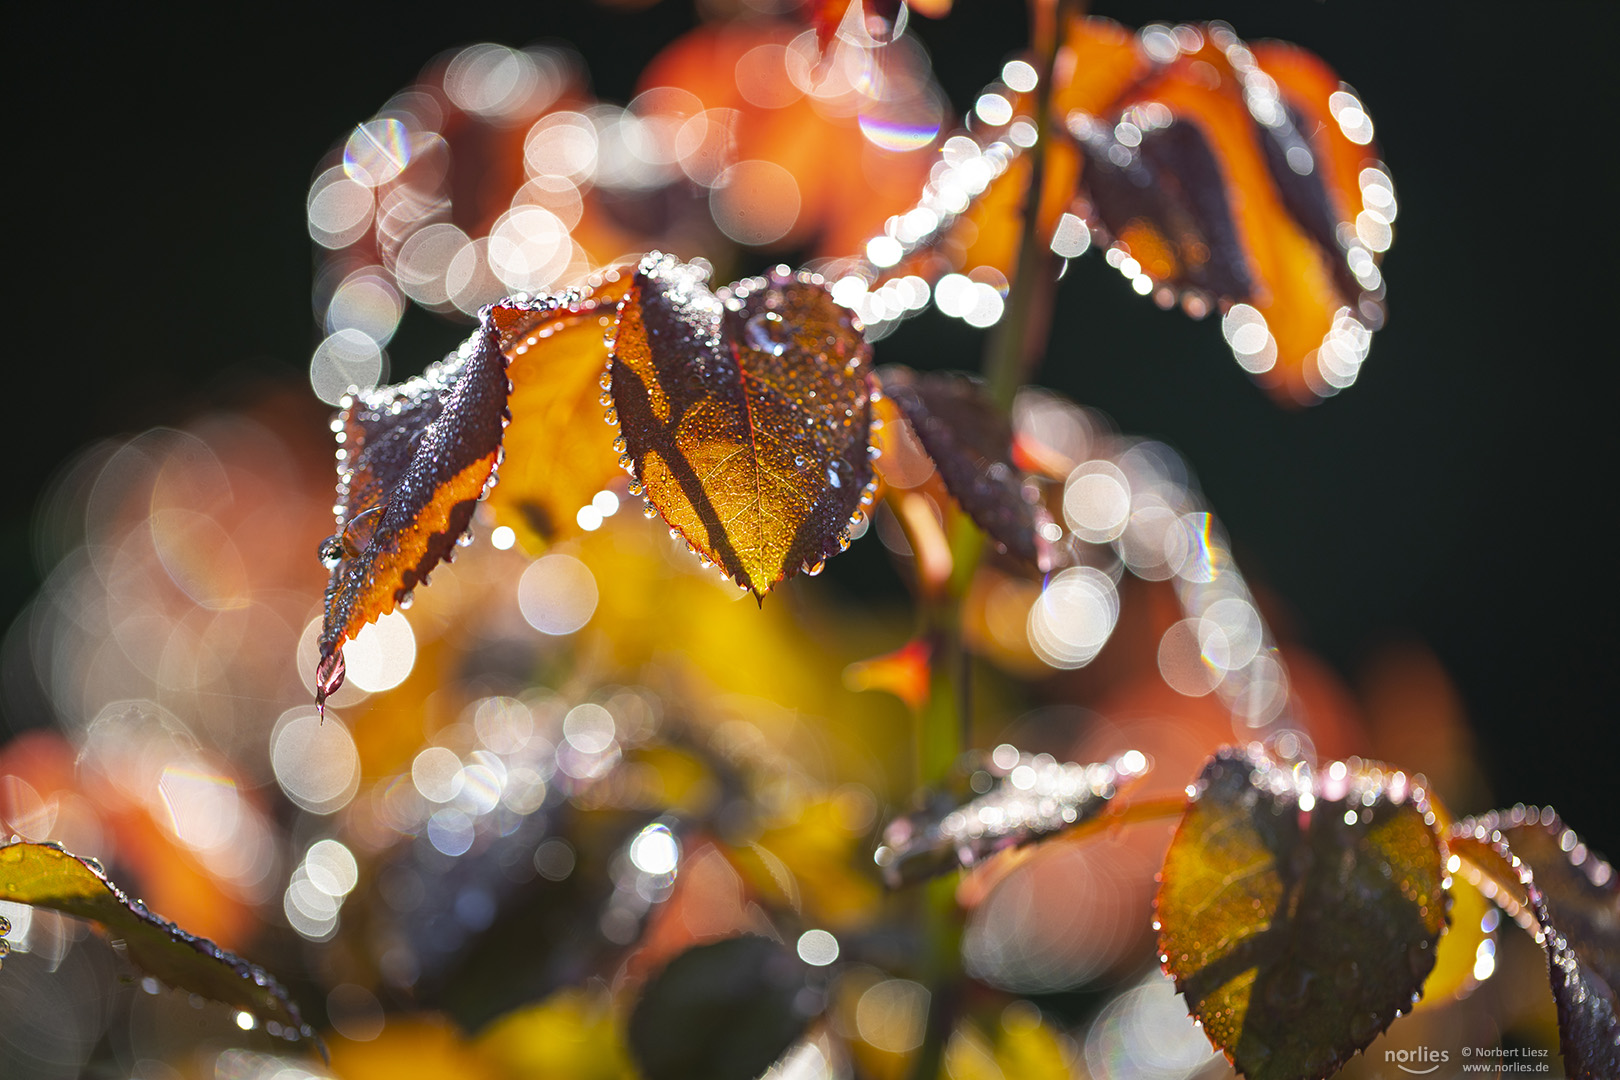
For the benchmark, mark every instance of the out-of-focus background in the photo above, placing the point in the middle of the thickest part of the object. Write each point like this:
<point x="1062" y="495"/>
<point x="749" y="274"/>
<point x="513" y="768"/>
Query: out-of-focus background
<point x="1458" y="496"/>
<point x="591" y="759"/>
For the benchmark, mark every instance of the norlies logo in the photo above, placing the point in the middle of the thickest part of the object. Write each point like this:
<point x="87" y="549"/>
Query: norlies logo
<point x="1406" y="1059"/>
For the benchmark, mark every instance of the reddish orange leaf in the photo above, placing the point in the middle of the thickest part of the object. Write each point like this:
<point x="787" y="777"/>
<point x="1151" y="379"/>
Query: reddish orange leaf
<point x="971" y="444"/>
<point x="1547" y="878"/>
<point x="1224" y="186"/>
<point x="557" y="452"/>
<point x="413" y="462"/>
<point x="746" y="415"/>
<point x="1229" y="179"/>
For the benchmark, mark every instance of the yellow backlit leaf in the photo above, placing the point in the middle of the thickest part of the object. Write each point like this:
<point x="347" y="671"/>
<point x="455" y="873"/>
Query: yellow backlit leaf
<point x="746" y="416"/>
<point x="557" y="447"/>
<point x="46" y="876"/>
<point x="1299" y="918"/>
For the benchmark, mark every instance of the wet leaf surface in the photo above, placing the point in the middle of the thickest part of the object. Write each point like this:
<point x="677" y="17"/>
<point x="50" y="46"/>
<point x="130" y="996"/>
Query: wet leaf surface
<point x="558" y="450"/>
<point x="746" y="416"/>
<point x="998" y="802"/>
<point x="415" y="459"/>
<point x="723" y="1011"/>
<point x="1545" y="876"/>
<point x="46" y="876"/>
<point x="1295" y="935"/>
<point x="970" y="442"/>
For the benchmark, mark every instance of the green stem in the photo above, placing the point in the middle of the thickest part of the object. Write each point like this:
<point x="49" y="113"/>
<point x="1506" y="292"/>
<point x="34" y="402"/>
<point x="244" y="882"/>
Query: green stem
<point x="945" y="723"/>
<point x="1019" y="339"/>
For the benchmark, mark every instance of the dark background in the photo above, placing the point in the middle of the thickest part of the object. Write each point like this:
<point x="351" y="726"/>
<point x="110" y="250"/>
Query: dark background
<point x="1459" y="494"/>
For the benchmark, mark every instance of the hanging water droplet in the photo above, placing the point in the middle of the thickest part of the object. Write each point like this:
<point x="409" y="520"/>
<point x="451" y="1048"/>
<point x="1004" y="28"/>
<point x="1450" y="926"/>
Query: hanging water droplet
<point x="465" y="539"/>
<point x="328" y="677"/>
<point x="816" y="567"/>
<point x="843" y="541"/>
<point x="606" y="381"/>
<point x="619" y="445"/>
<point x="648" y="510"/>
<point x="408" y="599"/>
<point x="331" y="552"/>
<point x="606" y="398"/>
<point x="635" y="487"/>
<point x="611" y="417"/>
<point x="874" y="451"/>
<point x="625" y="462"/>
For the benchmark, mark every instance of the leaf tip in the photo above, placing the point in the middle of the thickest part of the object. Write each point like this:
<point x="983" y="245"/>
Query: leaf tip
<point x="328" y="676"/>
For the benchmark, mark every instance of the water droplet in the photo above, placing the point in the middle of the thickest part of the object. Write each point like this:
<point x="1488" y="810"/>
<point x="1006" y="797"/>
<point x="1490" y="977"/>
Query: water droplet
<point x="605" y="399"/>
<point x="843" y="541"/>
<point x="1363" y="1026"/>
<point x="408" y="599"/>
<point x="635" y="487"/>
<point x="611" y="417"/>
<point x="331" y="552"/>
<point x="328" y="677"/>
<point x="619" y="445"/>
<point x="625" y="462"/>
<point x="768" y="333"/>
<point x="465" y="539"/>
<point x="816" y="567"/>
<point x="606" y="381"/>
<point x="648" y="510"/>
<point x="1419" y="958"/>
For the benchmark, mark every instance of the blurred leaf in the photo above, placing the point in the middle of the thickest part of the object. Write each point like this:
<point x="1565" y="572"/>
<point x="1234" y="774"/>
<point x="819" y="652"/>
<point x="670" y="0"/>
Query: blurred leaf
<point x="1295" y="935"/>
<point x="424" y="1045"/>
<point x="572" y="1035"/>
<point x="828" y="861"/>
<point x="556" y="449"/>
<point x="746" y="415"/>
<point x="723" y="1011"/>
<point x="844" y="183"/>
<point x="1458" y="951"/>
<point x="46" y="876"/>
<point x="995" y="806"/>
<point x="418" y="457"/>
<point x="542" y="934"/>
<point x="1021" y="1045"/>
<point x="1543" y="872"/>
<point x="905" y="672"/>
<point x="970" y="441"/>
